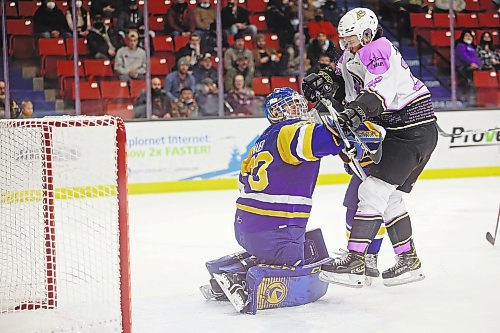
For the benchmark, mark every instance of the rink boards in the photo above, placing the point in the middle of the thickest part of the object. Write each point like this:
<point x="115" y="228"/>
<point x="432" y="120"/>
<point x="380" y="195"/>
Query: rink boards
<point x="205" y="154"/>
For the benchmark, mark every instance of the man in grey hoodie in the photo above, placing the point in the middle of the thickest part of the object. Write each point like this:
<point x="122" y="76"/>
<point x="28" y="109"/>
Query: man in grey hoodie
<point x="130" y="60"/>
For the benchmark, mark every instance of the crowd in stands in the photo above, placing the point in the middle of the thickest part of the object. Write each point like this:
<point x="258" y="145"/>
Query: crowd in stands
<point x="113" y="30"/>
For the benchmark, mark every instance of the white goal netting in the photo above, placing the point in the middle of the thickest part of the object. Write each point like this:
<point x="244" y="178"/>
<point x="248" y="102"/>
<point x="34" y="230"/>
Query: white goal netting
<point x="63" y="254"/>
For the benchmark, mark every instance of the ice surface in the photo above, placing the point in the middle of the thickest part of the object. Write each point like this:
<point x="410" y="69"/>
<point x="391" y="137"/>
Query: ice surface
<point x="172" y="235"/>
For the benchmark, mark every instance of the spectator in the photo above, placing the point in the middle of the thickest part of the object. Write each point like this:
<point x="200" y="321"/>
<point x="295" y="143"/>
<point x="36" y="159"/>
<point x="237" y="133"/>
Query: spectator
<point x="241" y="100"/>
<point x="325" y="61"/>
<point x="235" y="20"/>
<point x="207" y="97"/>
<point x="444" y="5"/>
<point x="106" y="8"/>
<point x="241" y="68"/>
<point x="205" y="70"/>
<point x="467" y="58"/>
<point x="82" y="18"/>
<point x="279" y="21"/>
<point x="321" y="45"/>
<point x="490" y="57"/>
<point x="267" y="60"/>
<point x="193" y="50"/>
<point x="159" y="102"/>
<point x="103" y="39"/>
<point x="204" y="18"/>
<point x="26" y="110"/>
<point x="130" y="60"/>
<point x="238" y="49"/>
<point x="185" y="106"/>
<point x="332" y="12"/>
<point x="179" y="79"/>
<point x="293" y="52"/>
<point x="50" y="22"/>
<point x="180" y="19"/>
<point x="320" y="25"/>
<point x="130" y="18"/>
<point x="14" y="107"/>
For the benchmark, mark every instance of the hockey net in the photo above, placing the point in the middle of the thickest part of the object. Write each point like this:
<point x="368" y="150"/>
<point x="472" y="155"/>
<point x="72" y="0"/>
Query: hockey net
<point x="64" y="252"/>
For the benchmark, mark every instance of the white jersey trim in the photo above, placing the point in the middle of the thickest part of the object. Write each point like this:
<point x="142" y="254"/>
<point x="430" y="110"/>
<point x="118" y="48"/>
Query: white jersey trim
<point x="411" y="125"/>
<point x="276" y="198"/>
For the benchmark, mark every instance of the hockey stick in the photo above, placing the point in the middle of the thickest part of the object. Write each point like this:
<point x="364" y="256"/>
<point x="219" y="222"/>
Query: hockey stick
<point x="491" y="238"/>
<point x="450" y="135"/>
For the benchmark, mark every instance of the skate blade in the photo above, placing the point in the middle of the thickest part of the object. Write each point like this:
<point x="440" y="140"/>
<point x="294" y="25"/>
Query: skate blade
<point x="352" y="281"/>
<point x="207" y="292"/>
<point x="368" y="281"/>
<point x="235" y="300"/>
<point x="408" y="277"/>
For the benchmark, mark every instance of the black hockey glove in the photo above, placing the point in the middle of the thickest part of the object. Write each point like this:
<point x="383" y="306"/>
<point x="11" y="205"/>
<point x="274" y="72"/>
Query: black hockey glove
<point x="319" y="83"/>
<point x="352" y="116"/>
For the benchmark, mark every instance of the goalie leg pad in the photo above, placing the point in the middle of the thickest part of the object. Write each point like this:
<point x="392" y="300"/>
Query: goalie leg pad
<point x="231" y="263"/>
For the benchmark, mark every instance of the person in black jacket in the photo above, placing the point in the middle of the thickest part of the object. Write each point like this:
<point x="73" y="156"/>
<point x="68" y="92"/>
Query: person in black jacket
<point x="103" y="40"/>
<point x="50" y="22"/>
<point x="322" y="45"/>
<point x="235" y="20"/>
<point x="106" y="8"/>
<point x="279" y="17"/>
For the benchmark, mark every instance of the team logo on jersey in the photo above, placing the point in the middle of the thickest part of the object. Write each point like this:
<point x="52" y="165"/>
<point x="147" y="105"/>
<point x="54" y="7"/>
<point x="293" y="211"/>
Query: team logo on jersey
<point x="276" y="292"/>
<point x="360" y="14"/>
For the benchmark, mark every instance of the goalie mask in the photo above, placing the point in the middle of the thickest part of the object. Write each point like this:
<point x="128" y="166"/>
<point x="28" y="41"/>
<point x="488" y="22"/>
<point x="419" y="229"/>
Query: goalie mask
<point x="359" y="22"/>
<point x="285" y="103"/>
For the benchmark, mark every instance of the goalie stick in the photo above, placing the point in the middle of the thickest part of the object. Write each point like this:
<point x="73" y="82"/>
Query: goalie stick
<point x="451" y="135"/>
<point x="491" y="239"/>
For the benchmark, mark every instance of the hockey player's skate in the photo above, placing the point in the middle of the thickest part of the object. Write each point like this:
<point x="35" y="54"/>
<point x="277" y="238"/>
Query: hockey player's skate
<point x="213" y="291"/>
<point x="234" y="286"/>
<point x="348" y="270"/>
<point x="406" y="270"/>
<point x="371" y="270"/>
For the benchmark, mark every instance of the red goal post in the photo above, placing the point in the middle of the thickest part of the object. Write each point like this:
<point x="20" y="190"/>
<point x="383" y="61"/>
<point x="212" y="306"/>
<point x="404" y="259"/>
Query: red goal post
<point x="64" y="243"/>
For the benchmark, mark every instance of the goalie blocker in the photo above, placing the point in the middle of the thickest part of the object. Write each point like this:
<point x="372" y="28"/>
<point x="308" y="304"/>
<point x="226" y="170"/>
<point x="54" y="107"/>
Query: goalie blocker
<point x="264" y="286"/>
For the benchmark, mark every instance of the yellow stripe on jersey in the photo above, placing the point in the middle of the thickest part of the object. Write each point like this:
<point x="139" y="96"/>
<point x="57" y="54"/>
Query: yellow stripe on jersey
<point x="275" y="213"/>
<point x="284" y="141"/>
<point x="334" y="132"/>
<point x="307" y="143"/>
<point x="245" y="164"/>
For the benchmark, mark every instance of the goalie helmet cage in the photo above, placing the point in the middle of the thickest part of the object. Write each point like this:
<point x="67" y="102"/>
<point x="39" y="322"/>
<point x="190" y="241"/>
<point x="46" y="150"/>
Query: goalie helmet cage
<point x="64" y="247"/>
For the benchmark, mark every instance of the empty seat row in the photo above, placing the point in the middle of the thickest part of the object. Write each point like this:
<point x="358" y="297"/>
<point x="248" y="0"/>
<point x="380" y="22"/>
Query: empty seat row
<point x="465" y="20"/>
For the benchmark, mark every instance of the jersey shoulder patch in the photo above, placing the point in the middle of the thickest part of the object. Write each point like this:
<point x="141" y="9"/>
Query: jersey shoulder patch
<point x="375" y="56"/>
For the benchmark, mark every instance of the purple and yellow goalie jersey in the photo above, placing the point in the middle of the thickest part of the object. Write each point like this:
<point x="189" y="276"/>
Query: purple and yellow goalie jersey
<point x="278" y="177"/>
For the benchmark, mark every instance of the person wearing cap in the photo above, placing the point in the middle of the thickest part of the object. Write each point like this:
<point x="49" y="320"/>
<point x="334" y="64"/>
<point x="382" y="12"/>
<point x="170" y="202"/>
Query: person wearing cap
<point x="178" y="79"/>
<point x="322" y="45"/>
<point x="194" y="50"/>
<point x="319" y="24"/>
<point x="205" y="69"/>
<point x="130" y="60"/>
<point x="241" y="68"/>
<point x="236" y="50"/>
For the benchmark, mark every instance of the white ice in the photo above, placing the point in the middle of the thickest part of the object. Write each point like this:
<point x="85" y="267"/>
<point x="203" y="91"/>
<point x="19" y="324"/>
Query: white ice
<point x="172" y="235"/>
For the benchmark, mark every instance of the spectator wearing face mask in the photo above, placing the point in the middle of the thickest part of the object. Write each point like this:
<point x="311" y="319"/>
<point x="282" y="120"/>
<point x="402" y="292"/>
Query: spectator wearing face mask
<point x="490" y="57"/>
<point x="204" y="17"/>
<point x="322" y="45"/>
<point x="320" y="25"/>
<point x="193" y="50"/>
<point x="50" y="22"/>
<point x="185" y="106"/>
<point x="103" y="39"/>
<point x="82" y="18"/>
<point x="130" y="18"/>
<point x="180" y="19"/>
<point x="466" y="54"/>
<point x="159" y="102"/>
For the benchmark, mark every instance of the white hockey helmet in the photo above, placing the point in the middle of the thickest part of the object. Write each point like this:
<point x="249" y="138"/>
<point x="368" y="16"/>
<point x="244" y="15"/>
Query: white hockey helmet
<point x="358" y="22"/>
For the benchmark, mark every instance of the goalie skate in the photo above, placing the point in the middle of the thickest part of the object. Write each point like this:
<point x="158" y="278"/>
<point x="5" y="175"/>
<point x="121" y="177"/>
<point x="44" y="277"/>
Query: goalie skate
<point x="234" y="287"/>
<point x="212" y="291"/>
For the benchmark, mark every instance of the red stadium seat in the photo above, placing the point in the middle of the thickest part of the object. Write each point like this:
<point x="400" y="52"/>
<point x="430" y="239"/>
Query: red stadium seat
<point x="180" y="41"/>
<point x="88" y="90"/>
<point x="98" y="68"/>
<point x="489" y="20"/>
<point x="11" y="10"/>
<point x="472" y="5"/>
<point x="28" y="8"/>
<point x="261" y="86"/>
<point x="66" y="73"/>
<point x="257" y="6"/>
<point x="51" y="50"/>
<point x="259" y="21"/>
<point x="82" y="48"/>
<point x="159" y="66"/>
<point x="136" y="87"/>
<point x="467" y="21"/>
<point x="440" y="38"/>
<point x="163" y="45"/>
<point x="114" y="90"/>
<point x="158" y="7"/>
<point x="122" y="110"/>
<point x="441" y="20"/>
<point x="285" y="81"/>
<point x="421" y="20"/>
<point x="21" y="39"/>
<point x="272" y="41"/>
<point x="249" y="42"/>
<point x="156" y="23"/>
<point x="486" y="79"/>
